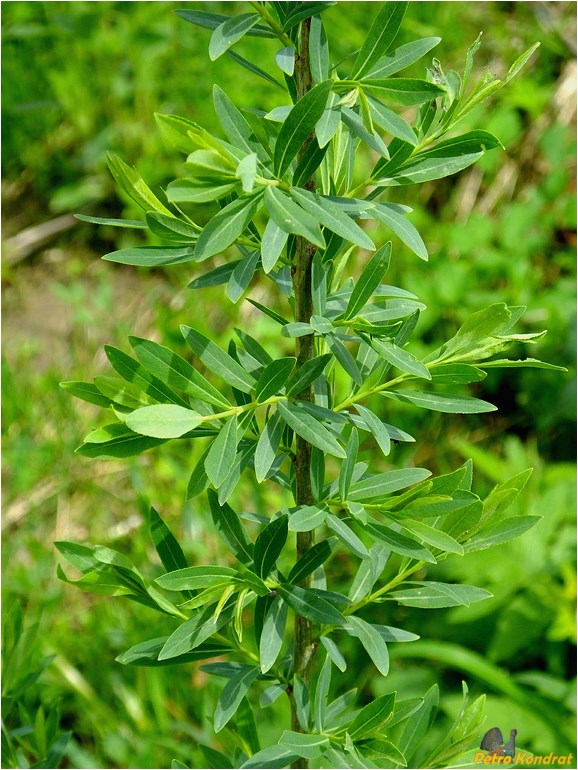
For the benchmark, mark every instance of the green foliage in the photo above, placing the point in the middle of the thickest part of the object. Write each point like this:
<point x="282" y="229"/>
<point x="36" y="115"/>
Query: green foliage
<point x="162" y="473"/>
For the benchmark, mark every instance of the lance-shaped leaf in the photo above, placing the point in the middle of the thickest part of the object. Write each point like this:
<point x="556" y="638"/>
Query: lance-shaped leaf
<point x="306" y="374"/>
<point x="305" y="745"/>
<point x="373" y="717"/>
<point x="332" y="216"/>
<point x="402" y="57"/>
<point x="311" y="559"/>
<point x="271" y="757"/>
<point x="376" y="427"/>
<point x="230" y="528"/>
<point x="134" y="186"/>
<point x="214" y="20"/>
<point x="218" y="361"/>
<point x="383" y="484"/>
<point x="232" y="695"/>
<point x="291" y="218"/>
<point x="299" y="124"/>
<point x="306" y="518"/>
<point x="267" y="446"/>
<point x="500" y="532"/>
<point x="407" y="91"/>
<point x="112" y="222"/>
<point x="368" y="281"/>
<point x="427" y="169"/>
<point x="242" y="275"/>
<point x="146" y="653"/>
<point x="439" y="402"/>
<point x="221" y="456"/>
<point x="152" y="256"/>
<point x="163" y="420"/>
<point x="399" y="543"/>
<point x="434" y="537"/>
<point x="399" y="358"/>
<point x="272" y="244"/>
<point x="334" y="653"/>
<point x="344" y="357"/>
<point x="165" y="543"/>
<point x="431" y="594"/>
<point x="405" y="231"/>
<point x="175" y="371"/>
<point x="273" y="377"/>
<point x="272" y="634"/>
<point x="381" y="35"/>
<point x="310" y="429"/>
<point x="373" y="642"/>
<point x="226" y="226"/>
<point x="247" y="171"/>
<point x="390" y="121"/>
<point x="318" y="51"/>
<point x="302" y="10"/>
<point x="191" y="578"/>
<point x="269" y="545"/>
<point x="86" y="391"/>
<point x="347" y="536"/>
<point x="236" y="128"/>
<point x="348" y="464"/>
<point x="229" y="32"/>
<point x="285" y="59"/>
<point x="116" y="440"/>
<point x="308" y="604"/>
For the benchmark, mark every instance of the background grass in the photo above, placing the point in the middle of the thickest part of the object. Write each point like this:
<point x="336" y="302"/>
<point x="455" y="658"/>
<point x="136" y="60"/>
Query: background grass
<point x="83" y="78"/>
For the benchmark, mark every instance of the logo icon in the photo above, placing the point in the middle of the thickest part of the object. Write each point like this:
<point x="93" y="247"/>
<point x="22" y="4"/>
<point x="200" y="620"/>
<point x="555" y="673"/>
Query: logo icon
<point x="493" y="743"/>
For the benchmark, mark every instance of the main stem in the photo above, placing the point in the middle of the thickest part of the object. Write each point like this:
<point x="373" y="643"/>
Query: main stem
<point x="304" y="646"/>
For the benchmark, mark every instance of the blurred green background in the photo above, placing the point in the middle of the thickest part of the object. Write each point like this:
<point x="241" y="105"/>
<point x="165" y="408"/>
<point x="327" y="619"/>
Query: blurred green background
<point x="82" y="78"/>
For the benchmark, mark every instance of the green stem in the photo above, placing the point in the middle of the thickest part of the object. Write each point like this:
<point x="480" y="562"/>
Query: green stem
<point x="303" y="643"/>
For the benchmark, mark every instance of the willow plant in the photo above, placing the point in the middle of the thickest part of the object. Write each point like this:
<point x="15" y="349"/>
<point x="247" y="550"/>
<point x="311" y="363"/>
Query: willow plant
<point x="288" y="196"/>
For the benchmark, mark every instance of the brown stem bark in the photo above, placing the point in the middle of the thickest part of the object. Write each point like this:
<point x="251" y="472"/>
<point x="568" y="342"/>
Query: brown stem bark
<point x="304" y="646"/>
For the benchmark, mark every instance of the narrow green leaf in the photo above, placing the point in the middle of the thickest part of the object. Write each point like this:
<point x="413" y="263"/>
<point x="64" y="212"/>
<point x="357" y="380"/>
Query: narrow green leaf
<point x="213" y="20"/>
<point x="383" y="484"/>
<point x="87" y="392"/>
<point x="274" y="377"/>
<point x="426" y="170"/>
<point x="344" y="357"/>
<point x="267" y="446"/>
<point x="191" y="578"/>
<point x="165" y="543"/>
<point x="302" y="10"/>
<point x="439" y="402"/>
<point x="308" y="604"/>
<point x="329" y="122"/>
<point x="390" y="121"/>
<point x="229" y="32"/>
<point x="230" y="528"/>
<point x="530" y="363"/>
<point x="218" y="361"/>
<point x="254" y="69"/>
<point x="116" y="440"/>
<point x="368" y="281"/>
<point x="348" y="464"/>
<point x="307" y="745"/>
<point x="433" y="536"/>
<point x="310" y="429"/>
<point x="236" y="128"/>
<point x="318" y="51"/>
<point x="130" y="223"/>
<point x="500" y="532"/>
<point x="306" y="374"/>
<point x="321" y="693"/>
<point x="400" y="358"/>
<point x="373" y="717"/>
<point x="172" y="229"/>
<point x="152" y="256"/>
<point x="242" y="275"/>
<point x="131" y="182"/>
<point x="247" y="171"/>
<point x="381" y="35"/>
<point x="271" y="694"/>
<point x="306" y="518"/>
<point x="334" y="653"/>
<point x="269" y="545"/>
<point x="299" y="124"/>
<point x="272" y="244"/>
<point x="407" y="91"/>
<point x="431" y="595"/>
<point x="311" y="559"/>
<point x="399" y="543"/>
<point x="402" y="57"/>
<point x="285" y="59"/>
<point x="457" y="373"/>
<point x="146" y="653"/>
<point x="163" y="420"/>
<point x="271" y="313"/>
<point x="291" y="218"/>
<point x="331" y="216"/>
<point x="200" y="190"/>
<point x="232" y="695"/>
<point x="270" y="757"/>
<point x="374" y="645"/>
<point x="272" y="635"/>
<point x="226" y="226"/>
<point x="405" y="231"/>
<point x="221" y="456"/>
<point x="347" y="536"/>
<point x="175" y="371"/>
<point x="376" y="427"/>
<point x="357" y="128"/>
